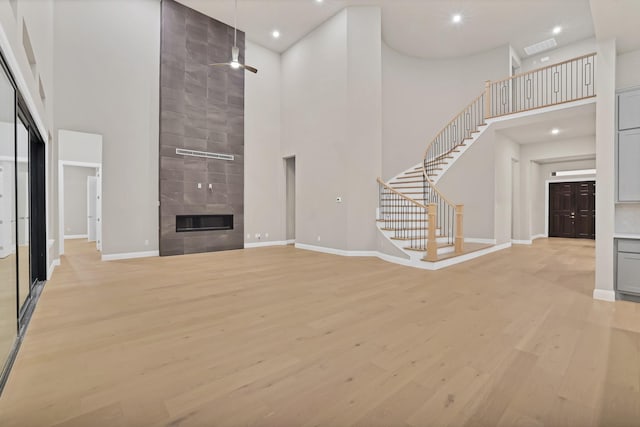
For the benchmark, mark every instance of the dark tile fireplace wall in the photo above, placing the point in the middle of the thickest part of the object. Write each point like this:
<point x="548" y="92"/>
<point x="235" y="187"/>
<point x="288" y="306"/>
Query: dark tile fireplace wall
<point x="202" y="109"/>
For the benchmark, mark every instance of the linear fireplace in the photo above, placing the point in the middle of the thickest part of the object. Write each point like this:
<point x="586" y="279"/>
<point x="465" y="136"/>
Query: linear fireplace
<point x="203" y="222"/>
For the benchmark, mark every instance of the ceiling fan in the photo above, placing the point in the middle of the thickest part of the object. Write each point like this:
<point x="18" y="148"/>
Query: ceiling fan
<point x="235" y="51"/>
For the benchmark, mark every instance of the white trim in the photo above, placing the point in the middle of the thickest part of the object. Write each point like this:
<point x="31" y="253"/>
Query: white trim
<point x="522" y="242"/>
<point x="80" y="164"/>
<point x="76" y="236"/>
<point x="482" y="241"/>
<point x="130" y="255"/>
<point x="55" y="263"/>
<point x="546" y="197"/>
<point x="539" y="236"/>
<point x="414" y="263"/>
<point x="626" y="236"/>
<point x="264" y="244"/>
<point x="291" y="242"/>
<point x="604" y="295"/>
<point x="333" y="251"/>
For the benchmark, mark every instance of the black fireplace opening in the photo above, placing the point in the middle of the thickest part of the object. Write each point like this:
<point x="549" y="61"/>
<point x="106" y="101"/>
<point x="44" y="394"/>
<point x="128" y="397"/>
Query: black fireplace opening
<point x="203" y="222"/>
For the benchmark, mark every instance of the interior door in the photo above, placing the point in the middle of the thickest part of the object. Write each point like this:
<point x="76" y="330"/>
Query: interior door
<point x="585" y="217"/>
<point x="92" y="193"/>
<point x="572" y="210"/>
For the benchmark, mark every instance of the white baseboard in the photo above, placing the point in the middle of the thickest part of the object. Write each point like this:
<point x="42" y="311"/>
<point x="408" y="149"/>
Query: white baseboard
<point x="55" y="263"/>
<point x="75" y="236"/>
<point x="604" y="295"/>
<point x="539" y="236"/>
<point x="291" y="242"/>
<point x="482" y="241"/>
<point x="332" y="251"/>
<point x="415" y="263"/>
<point x="265" y="244"/>
<point x="130" y="255"/>
<point x="522" y="242"/>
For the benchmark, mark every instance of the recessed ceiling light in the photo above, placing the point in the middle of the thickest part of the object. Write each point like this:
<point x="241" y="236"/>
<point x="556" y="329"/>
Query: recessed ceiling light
<point x="276" y="34"/>
<point x="557" y="29"/>
<point x="456" y="19"/>
<point x="555" y="131"/>
<point x="319" y="1"/>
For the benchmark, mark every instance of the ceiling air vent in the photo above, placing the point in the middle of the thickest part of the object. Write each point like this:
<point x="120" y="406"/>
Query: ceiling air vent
<point x="540" y="47"/>
<point x="192" y="153"/>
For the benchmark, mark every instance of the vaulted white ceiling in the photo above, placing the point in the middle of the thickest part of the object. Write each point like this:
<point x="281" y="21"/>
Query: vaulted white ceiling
<point x="421" y="28"/>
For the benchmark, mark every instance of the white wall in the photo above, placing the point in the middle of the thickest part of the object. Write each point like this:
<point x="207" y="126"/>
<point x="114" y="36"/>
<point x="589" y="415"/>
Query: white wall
<point x="507" y="152"/>
<point x="421" y="96"/>
<point x="605" y="166"/>
<point x="79" y="147"/>
<point x="75" y="199"/>
<point x="627" y="70"/>
<point x="364" y="125"/>
<point x="110" y="81"/>
<point x="314" y="129"/>
<point x="471" y="182"/>
<point x="574" y="50"/>
<point x="264" y="167"/>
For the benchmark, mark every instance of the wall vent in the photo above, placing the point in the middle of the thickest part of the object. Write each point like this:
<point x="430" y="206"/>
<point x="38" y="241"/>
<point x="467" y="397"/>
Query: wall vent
<point x="192" y="153"/>
<point x="540" y="47"/>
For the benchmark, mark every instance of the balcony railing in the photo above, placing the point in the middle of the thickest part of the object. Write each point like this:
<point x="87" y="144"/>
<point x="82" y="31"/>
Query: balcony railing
<point x="555" y="84"/>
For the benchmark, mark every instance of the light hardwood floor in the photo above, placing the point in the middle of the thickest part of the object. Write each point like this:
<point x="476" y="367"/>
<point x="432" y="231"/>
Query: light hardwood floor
<point x="283" y="337"/>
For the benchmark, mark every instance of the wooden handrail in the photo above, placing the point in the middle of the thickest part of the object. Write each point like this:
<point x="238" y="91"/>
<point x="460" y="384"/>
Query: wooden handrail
<point x="393" y="190"/>
<point x="424" y="157"/>
<point x="546" y="67"/>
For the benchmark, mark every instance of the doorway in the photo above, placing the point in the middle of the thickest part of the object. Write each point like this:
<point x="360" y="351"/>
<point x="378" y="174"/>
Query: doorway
<point x="572" y="209"/>
<point x="81" y="208"/>
<point x="290" y="171"/>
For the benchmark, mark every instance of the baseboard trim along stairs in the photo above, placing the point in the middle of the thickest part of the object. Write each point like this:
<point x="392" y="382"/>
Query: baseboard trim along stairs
<point x="415" y="263"/>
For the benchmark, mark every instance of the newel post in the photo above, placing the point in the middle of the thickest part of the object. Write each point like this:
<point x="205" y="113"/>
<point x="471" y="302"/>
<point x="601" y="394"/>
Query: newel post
<point x="487" y="99"/>
<point x="432" y="242"/>
<point x="459" y="229"/>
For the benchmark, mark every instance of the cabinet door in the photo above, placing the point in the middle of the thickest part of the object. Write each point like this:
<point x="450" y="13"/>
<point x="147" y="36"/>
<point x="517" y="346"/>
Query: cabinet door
<point x="629" y="110"/>
<point x="628" y="273"/>
<point x="629" y="166"/>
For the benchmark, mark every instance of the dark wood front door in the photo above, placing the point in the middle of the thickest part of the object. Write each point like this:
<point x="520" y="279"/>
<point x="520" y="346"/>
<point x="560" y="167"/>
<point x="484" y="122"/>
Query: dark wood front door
<point x="572" y="209"/>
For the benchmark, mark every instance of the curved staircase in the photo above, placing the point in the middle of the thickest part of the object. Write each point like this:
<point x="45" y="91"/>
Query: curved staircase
<point x="413" y="214"/>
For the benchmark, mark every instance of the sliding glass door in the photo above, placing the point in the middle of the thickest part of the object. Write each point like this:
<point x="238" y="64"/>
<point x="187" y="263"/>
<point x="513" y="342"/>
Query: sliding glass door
<point x="8" y="259"/>
<point x="24" y="227"/>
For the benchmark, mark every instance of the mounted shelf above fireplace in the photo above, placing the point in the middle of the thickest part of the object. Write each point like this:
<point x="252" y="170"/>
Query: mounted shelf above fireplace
<point x="186" y="223"/>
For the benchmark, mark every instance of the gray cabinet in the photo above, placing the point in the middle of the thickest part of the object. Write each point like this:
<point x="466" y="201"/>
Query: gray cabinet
<point x="629" y="166"/>
<point x="628" y="267"/>
<point x="628" y="147"/>
<point x="629" y="110"/>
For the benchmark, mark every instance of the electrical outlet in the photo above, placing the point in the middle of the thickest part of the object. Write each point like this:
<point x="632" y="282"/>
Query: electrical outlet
<point x="266" y="235"/>
<point x="318" y="238"/>
<point x="248" y="236"/>
<point x="199" y="185"/>
<point x="339" y="199"/>
<point x="258" y="236"/>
